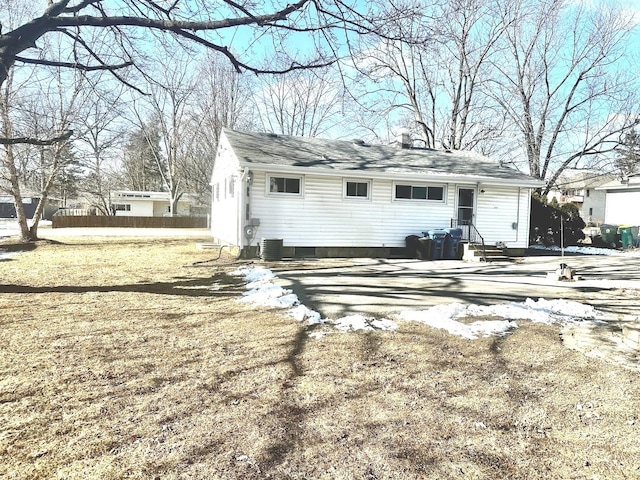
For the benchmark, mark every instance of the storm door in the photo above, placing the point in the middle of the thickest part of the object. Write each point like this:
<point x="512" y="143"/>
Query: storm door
<point x="466" y="209"/>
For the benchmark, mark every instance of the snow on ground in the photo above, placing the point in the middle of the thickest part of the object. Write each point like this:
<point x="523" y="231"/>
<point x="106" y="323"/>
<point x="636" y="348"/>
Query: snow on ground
<point x="9" y="226"/>
<point x="634" y="252"/>
<point x="262" y="290"/>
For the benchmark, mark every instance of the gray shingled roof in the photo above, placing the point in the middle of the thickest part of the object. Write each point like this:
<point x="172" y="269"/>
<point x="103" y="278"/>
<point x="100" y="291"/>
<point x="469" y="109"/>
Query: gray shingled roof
<point x="265" y="149"/>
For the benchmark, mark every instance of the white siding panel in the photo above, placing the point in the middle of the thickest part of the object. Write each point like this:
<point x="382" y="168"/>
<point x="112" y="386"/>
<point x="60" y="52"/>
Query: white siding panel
<point x="226" y="211"/>
<point x="498" y="208"/>
<point x="138" y="208"/>
<point x="323" y="217"/>
<point x="621" y="208"/>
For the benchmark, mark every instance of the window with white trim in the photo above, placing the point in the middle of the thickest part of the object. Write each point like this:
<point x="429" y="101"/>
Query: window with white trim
<point x="357" y="189"/>
<point x="285" y="185"/>
<point x="419" y="192"/>
<point x="122" y="207"/>
<point x="231" y="184"/>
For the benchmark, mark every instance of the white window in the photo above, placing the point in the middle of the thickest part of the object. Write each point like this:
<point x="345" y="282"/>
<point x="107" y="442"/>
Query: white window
<point x="357" y="189"/>
<point x="122" y="207"/>
<point x="405" y="191"/>
<point x="231" y="184"/>
<point x="285" y="185"/>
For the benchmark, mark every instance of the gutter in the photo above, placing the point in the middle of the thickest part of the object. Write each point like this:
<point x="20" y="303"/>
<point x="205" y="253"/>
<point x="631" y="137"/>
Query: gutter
<point x="412" y="176"/>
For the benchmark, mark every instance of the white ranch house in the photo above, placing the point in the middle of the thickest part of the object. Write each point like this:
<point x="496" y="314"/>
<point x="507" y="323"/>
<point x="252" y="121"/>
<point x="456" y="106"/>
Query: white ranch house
<point x="348" y="198"/>
<point x="133" y="203"/>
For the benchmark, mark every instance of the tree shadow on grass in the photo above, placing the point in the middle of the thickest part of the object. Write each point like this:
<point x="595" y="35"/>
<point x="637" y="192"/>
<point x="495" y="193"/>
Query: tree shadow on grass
<point x="216" y="285"/>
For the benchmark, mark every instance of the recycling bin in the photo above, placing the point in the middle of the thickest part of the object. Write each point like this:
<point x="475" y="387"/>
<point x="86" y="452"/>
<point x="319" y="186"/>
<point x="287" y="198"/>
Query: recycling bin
<point x="438" y="238"/>
<point x="626" y="236"/>
<point x="609" y="234"/>
<point x="452" y="244"/>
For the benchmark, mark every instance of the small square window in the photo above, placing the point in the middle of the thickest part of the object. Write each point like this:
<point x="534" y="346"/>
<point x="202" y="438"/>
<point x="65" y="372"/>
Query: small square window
<point x="358" y="189"/>
<point x="230" y="186"/>
<point x="436" y="193"/>
<point x="403" y="191"/>
<point x="419" y="193"/>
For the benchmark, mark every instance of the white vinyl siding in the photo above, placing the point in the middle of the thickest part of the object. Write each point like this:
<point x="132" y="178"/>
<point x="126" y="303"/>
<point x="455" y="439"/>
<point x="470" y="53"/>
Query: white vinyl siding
<point x="620" y="208"/>
<point x="499" y="210"/>
<point x="226" y="213"/>
<point x="322" y="217"/>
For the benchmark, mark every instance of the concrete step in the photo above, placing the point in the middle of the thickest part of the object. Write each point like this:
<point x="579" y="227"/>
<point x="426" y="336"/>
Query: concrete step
<point x="473" y="253"/>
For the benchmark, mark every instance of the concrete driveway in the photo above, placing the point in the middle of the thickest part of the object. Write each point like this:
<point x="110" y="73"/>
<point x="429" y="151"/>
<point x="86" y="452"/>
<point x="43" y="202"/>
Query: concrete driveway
<point x="379" y="287"/>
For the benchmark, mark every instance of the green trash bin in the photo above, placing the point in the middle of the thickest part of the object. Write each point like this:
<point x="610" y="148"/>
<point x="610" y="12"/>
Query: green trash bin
<point x="626" y="236"/>
<point x="609" y="234"/>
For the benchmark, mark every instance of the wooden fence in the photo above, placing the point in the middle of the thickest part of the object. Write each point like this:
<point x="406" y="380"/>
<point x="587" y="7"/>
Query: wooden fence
<point x="63" y="221"/>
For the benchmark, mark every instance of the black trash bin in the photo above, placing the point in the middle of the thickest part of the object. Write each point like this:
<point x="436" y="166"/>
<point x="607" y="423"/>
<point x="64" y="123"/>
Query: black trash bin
<point x="411" y="245"/>
<point x="452" y="244"/>
<point x="424" y="248"/>
<point x="437" y="243"/>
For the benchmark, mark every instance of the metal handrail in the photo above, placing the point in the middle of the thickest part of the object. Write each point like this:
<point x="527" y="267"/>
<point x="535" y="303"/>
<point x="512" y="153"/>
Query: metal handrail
<point x="472" y="236"/>
<point x="476" y="236"/>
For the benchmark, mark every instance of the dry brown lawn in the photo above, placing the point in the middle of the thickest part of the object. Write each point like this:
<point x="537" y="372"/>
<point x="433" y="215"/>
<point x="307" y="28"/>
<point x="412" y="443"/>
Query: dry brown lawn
<point x="132" y="359"/>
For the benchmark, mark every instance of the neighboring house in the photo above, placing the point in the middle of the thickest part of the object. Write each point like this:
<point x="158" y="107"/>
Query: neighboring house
<point x="582" y="190"/>
<point x="8" y="207"/>
<point x="622" y="200"/>
<point x="130" y="203"/>
<point x="341" y="198"/>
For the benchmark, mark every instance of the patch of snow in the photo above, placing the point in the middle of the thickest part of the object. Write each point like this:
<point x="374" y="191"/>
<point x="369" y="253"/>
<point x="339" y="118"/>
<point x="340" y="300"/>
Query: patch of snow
<point x="355" y="322"/>
<point x="262" y="290"/>
<point x="304" y="314"/>
<point x="541" y="311"/>
<point x="9" y="226"/>
<point x="610" y="252"/>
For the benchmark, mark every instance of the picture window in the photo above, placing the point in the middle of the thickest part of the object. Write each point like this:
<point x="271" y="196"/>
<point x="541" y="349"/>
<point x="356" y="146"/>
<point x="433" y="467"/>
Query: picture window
<point x="419" y="192"/>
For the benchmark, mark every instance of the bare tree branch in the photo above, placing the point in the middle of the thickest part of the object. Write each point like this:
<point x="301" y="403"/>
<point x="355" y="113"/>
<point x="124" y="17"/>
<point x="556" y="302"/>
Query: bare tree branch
<point x="37" y="141"/>
<point x="76" y="66"/>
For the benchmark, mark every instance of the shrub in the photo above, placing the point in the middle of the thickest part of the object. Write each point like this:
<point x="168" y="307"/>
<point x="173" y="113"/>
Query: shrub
<point x="549" y="219"/>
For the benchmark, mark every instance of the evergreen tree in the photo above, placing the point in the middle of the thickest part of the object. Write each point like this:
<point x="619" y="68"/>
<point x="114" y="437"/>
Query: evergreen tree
<point x="628" y="158"/>
<point x="141" y="158"/>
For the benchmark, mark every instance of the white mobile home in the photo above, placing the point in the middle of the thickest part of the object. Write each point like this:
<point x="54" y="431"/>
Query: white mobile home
<point x="342" y="198"/>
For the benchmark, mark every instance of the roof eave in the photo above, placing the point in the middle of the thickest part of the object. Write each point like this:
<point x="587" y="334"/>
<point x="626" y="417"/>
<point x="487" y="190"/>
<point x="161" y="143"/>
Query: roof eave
<point x="433" y="177"/>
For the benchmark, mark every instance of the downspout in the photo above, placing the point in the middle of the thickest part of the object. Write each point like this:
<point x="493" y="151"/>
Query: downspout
<point x="241" y="213"/>
<point x="518" y="214"/>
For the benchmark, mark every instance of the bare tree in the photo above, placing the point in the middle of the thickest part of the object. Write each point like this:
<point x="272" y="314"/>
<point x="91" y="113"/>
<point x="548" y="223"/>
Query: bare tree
<point x="220" y="99"/>
<point x="171" y="87"/>
<point x="563" y="83"/>
<point x="99" y="139"/>
<point x="125" y="24"/>
<point x="33" y="160"/>
<point x="304" y="102"/>
<point x="436" y="72"/>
